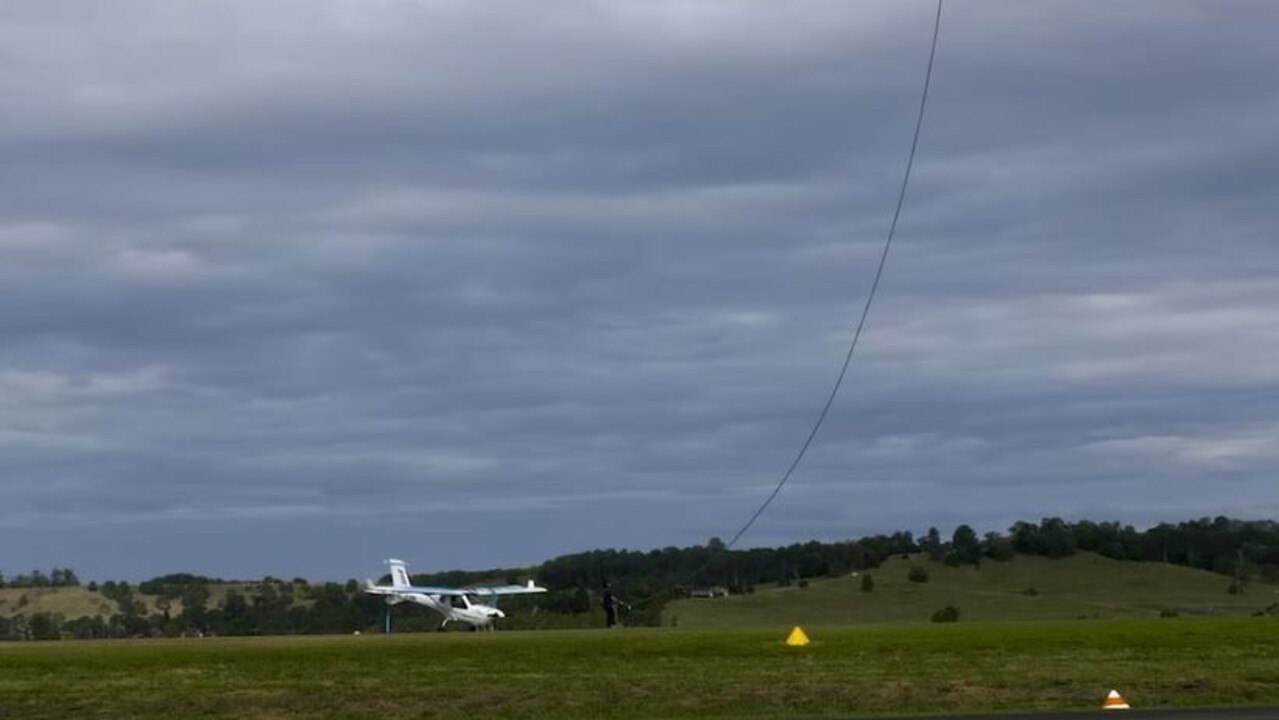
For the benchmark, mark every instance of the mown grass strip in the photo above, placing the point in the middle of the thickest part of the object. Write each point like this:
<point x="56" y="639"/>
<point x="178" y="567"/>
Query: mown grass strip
<point x="915" y="668"/>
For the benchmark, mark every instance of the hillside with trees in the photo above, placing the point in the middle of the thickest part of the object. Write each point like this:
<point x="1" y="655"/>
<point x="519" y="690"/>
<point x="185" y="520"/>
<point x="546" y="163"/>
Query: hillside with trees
<point x="1084" y="586"/>
<point x="37" y="605"/>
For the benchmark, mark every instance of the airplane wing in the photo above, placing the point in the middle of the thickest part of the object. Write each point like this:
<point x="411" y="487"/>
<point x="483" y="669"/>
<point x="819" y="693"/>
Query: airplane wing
<point x="427" y="590"/>
<point x="506" y="589"/>
<point x="400" y="586"/>
<point x="476" y="590"/>
<point x="414" y="590"/>
<point x="372" y="589"/>
<point x="450" y="591"/>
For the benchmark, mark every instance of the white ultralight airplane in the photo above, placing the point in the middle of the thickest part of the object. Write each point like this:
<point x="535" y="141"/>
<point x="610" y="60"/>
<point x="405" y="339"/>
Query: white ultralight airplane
<point x="453" y="603"/>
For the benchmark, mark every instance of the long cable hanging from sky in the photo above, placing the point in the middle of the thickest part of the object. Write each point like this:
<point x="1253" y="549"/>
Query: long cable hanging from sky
<point x="870" y="296"/>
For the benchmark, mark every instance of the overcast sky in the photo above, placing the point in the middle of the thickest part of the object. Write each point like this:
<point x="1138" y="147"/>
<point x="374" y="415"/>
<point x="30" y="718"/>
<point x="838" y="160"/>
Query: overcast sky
<point x="290" y="287"/>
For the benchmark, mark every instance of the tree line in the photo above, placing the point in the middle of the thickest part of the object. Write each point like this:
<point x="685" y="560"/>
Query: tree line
<point x="186" y="604"/>
<point x="57" y="577"/>
<point x="1245" y="550"/>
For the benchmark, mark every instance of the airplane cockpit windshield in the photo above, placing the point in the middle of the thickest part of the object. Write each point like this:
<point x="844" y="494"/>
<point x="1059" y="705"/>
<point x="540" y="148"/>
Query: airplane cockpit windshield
<point x="459" y="602"/>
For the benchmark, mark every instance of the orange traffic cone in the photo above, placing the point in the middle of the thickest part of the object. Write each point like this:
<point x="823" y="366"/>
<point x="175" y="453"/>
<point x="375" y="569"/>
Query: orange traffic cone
<point x="1114" y="701"/>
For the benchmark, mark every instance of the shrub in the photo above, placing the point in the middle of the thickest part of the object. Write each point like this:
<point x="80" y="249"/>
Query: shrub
<point x="803" y="584"/>
<point x="950" y="613"/>
<point x="917" y="574"/>
<point x="868" y="583"/>
<point x="1167" y="613"/>
<point x="1030" y="591"/>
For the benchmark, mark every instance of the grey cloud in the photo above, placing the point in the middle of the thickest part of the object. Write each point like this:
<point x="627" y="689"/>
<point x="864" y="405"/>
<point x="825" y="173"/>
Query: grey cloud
<point x="554" y="277"/>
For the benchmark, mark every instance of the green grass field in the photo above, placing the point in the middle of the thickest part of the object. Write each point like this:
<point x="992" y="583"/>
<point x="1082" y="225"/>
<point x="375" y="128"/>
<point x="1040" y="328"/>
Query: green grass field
<point x="1090" y="625"/>
<point x="653" y="673"/>
<point x="1085" y="585"/>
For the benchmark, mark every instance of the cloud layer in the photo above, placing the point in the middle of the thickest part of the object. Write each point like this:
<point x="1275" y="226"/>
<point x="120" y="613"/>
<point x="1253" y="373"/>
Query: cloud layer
<point x="291" y="287"/>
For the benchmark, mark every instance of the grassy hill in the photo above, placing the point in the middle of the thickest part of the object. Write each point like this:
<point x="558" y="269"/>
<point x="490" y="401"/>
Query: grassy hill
<point x="74" y="602"/>
<point x="1025" y="588"/>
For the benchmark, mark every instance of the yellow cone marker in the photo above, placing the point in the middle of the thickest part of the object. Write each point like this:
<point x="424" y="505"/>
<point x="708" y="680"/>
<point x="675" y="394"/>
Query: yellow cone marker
<point x="1114" y="701"/>
<point x="797" y="637"/>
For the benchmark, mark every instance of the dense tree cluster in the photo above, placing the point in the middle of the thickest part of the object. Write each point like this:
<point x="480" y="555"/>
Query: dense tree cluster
<point x="57" y="577"/>
<point x="185" y="604"/>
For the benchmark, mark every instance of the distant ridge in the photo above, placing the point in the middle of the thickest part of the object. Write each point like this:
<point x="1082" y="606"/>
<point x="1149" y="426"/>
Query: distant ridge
<point x="1084" y="587"/>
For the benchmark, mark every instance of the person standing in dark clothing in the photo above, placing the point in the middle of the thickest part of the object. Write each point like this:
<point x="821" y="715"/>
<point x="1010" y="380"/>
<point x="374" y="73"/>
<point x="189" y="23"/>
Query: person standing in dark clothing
<point x="610" y="606"/>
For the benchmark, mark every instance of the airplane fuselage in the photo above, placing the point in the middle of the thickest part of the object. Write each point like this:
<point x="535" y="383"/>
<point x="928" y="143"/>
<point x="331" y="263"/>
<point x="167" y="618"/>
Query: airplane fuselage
<point x="452" y="603"/>
<point x="456" y="608"/>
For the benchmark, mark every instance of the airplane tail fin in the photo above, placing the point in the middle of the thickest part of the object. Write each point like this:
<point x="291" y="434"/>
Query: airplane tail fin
<point x="399" y="573"/>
